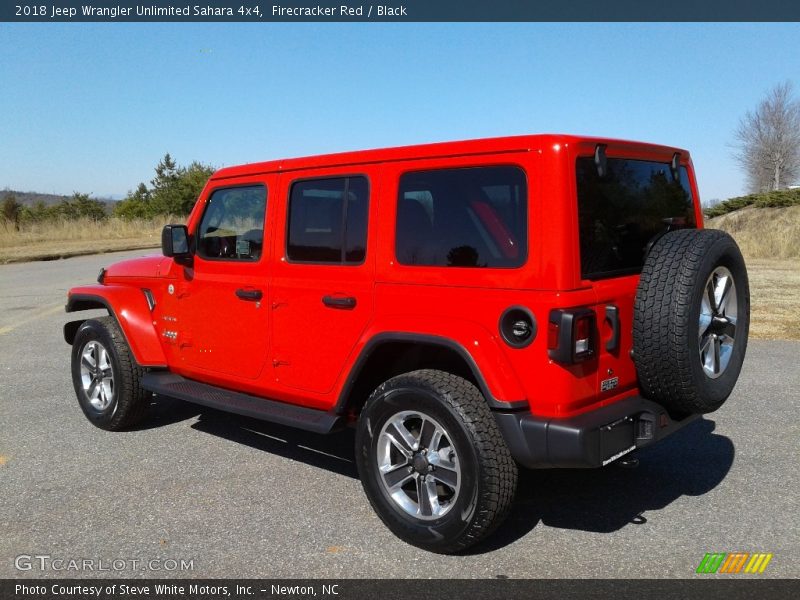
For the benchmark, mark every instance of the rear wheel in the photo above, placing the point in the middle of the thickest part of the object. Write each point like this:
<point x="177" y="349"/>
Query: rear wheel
<point x="433" y="462"/>
<point x="105" y="376"/>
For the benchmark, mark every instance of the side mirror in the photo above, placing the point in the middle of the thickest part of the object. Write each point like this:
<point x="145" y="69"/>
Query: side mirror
<point x="175" y="243"/>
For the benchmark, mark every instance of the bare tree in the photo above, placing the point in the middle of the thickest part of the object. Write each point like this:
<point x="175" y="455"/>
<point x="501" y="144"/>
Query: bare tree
<point x="768" y="141"/>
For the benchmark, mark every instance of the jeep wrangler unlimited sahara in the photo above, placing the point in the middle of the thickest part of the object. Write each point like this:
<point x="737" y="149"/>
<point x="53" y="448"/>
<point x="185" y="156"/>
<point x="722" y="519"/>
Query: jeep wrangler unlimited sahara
<point x="470" y="307"/>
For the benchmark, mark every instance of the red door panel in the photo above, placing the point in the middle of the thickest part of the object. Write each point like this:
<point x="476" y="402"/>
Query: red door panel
<point x="321" y="303"/>
<point x="224" y="333"/>
<point x="221" y="302"/>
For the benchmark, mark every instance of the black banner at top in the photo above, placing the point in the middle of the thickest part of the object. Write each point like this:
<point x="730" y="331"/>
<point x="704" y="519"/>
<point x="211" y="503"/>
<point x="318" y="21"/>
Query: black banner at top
<point x="45" y="11"/>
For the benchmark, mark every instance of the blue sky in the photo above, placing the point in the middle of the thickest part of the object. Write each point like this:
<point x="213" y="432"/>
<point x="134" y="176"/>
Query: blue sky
<point x="93" y="107"/>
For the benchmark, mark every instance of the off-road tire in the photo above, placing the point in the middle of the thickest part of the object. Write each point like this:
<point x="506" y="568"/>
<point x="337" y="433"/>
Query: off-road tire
<point x="488" y="472"/>
<point x="129" y="402"/>
<point x="666" y="325"/>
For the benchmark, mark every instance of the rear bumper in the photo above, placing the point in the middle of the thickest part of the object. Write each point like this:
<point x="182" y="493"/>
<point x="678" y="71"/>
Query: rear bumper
<point x="591" y="439"/>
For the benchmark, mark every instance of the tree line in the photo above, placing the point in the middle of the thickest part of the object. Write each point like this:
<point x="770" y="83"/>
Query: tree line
<point x="769" y="199"/>
<point x="173" y="191"/>
<point x="77" y="207"/>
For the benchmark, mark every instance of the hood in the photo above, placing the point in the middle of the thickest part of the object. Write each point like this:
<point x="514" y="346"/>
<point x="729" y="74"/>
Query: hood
<point x="146" y="266"/>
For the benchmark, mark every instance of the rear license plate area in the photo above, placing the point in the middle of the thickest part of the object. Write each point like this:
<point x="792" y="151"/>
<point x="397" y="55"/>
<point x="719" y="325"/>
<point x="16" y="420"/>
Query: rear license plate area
<point x="617" y="439"/>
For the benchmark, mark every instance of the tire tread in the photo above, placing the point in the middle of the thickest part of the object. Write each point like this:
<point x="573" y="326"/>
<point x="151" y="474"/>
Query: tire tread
<point x="663" y="314"/>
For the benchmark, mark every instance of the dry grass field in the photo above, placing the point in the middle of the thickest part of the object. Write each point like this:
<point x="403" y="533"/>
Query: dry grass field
<point x="774" y="298"/>
<point x="60" y="239"/>
<point x="770" y="241"/>
<point x="763" y="232"/>
<point x="769" y="238"/>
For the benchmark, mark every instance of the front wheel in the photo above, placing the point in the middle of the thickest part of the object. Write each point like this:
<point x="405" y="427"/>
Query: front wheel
<point x="432" y="461"/>
<point x="106" y="377"/>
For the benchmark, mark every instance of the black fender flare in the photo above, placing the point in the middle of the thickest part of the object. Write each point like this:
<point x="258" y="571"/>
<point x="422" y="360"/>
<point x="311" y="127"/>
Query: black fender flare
<point x="382" y="339"/>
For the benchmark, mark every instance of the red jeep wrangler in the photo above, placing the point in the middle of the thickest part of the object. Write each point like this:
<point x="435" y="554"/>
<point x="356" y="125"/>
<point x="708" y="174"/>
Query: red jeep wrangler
<point x="543" y="301"/>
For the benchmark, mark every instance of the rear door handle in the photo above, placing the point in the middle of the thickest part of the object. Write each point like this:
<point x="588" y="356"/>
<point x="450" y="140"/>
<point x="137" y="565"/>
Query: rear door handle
<point x="249" y="294"/>
<point x="346" y="302"/>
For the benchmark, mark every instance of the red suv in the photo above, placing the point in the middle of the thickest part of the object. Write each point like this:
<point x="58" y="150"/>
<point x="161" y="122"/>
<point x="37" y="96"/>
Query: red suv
<point x="470" y="307"/>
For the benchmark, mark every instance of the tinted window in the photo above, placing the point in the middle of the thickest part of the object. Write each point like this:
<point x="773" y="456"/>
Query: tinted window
<point x="620" y="213"/>
<point x="323" y="228"/>
<point x="473" y="217"/>
<point x="233" y="224"/>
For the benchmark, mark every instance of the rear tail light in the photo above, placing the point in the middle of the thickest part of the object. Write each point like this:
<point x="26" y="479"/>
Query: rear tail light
<point x="571" y="335"/>
<point x="553" y="330"/>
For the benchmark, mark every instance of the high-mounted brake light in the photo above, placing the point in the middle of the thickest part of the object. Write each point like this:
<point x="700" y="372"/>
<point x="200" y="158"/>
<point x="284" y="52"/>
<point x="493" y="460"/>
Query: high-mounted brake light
<point x="571" y="336"/>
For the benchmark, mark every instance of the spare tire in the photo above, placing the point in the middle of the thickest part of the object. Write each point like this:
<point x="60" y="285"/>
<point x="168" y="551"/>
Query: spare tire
<point x="691" y="320"/>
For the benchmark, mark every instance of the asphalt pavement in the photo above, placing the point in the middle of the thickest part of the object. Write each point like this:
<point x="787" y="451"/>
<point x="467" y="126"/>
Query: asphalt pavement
<point x="229" y="496"/>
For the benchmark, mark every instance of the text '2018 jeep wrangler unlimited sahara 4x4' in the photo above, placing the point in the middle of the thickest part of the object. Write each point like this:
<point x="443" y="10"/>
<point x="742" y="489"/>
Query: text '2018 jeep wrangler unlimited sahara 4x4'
<point x="543" y="301"/>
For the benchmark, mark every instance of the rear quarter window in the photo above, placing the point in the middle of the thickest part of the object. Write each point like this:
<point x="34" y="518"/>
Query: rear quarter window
<point x="621" y="213"/>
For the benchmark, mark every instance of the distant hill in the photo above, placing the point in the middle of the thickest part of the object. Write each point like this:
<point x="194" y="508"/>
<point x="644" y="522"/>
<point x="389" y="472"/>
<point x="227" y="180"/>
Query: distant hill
<point x="31" y="198"/>
<point x="763" y="232"/>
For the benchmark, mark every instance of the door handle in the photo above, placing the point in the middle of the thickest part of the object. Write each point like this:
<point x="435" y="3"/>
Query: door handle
<point x="346" y="302"/>
<point x="249" y="294"/>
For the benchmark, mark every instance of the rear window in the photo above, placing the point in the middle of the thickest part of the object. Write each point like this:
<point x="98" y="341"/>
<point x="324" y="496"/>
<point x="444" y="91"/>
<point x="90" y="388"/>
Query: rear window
<point x="621" y="213"/>
<point x="468" y="217"/>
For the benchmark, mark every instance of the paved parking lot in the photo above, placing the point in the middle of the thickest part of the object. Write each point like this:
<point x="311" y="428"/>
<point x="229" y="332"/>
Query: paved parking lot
<point x="241" y="498"/>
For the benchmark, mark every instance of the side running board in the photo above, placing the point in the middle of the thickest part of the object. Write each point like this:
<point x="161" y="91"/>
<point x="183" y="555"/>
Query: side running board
<point x="169" y="384"/>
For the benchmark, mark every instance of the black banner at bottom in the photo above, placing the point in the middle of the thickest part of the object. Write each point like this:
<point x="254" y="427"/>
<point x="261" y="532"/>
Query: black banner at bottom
<point x="397" y="589"/>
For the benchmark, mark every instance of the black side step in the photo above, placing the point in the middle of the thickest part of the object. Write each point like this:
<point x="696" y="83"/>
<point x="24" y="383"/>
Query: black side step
<point x="169" y="384"/>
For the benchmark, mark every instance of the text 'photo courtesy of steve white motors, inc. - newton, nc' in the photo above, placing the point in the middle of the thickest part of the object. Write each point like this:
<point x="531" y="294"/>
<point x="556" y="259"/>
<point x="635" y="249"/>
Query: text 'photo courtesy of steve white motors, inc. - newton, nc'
<point x="123" y="590"/>
<point x="188" y="10"/>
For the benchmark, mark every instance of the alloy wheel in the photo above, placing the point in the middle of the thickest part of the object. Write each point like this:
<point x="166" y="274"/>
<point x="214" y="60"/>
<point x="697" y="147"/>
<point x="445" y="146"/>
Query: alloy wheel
<point x="418" y="465"/>
<point x="718" y="314"/>
<point x="97" y="376"/>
